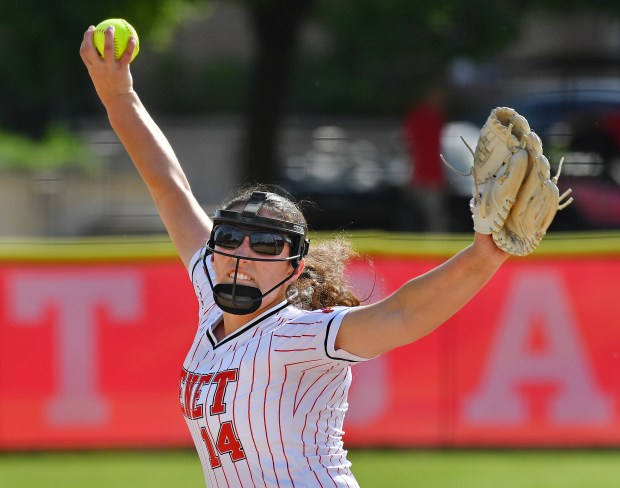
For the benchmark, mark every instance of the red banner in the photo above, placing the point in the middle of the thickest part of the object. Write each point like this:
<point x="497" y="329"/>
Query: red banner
<point x="90" y="356"/>
<point x="533" y="360"/>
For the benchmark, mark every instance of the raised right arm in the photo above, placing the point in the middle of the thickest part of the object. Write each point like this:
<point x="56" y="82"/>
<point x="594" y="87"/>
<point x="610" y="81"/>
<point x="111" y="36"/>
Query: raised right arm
<point x="186" y="222"/>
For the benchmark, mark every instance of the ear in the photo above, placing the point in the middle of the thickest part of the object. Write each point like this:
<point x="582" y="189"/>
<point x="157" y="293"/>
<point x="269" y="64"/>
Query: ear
<point x="299" y="270"/>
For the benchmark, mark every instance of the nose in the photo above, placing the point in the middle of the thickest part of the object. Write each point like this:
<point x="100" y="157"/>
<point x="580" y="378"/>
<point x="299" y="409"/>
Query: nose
<point x="244" y="248"/>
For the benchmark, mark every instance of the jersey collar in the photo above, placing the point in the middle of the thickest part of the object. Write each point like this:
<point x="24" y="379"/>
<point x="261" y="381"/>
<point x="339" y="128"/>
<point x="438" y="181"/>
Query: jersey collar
<point x="250" y="325"/>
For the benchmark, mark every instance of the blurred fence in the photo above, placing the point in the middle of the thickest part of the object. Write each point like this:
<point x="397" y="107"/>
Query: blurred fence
<point x="93" y="334"/>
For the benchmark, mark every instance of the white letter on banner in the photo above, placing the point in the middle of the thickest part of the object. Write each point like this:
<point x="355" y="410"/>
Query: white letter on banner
<point x="538" y="299"/>
<point x="74" y="299"/>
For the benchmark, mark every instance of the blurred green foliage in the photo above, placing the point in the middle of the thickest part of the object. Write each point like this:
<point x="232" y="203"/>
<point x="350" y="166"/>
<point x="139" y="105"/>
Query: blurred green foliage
<point x="42" y="76"/>
<point x="217" y="86"/>
<point x="43" y="84"/>
<point x="381" y="53"/>
<point x="385" y="53"/>
<point x="57" y="149"/>
<point x="378" y="57"/>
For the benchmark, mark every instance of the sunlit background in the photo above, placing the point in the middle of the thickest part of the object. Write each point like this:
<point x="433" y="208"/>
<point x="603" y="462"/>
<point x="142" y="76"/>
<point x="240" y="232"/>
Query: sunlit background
<point x="312" y="96"/>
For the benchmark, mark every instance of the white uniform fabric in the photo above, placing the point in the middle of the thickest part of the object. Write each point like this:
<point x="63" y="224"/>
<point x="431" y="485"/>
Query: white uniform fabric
<point x="265" y="406"/>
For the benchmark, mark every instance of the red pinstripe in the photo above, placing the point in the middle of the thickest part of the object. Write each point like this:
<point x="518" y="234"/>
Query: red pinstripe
<point x="247" y="346"/>
<point x="233" y="410"/>
<point x="265" y="411"/>
<point x="306" y="423"/>
<point x="347" y="471"/>
<point x="280" y="423"/>
<point x="249" y="406"/>
<point x="318" y="421"/>
<point x="210" y="472"/>
<point x="294" y="336"/>
<point x="296" y="350"/>
<point x="197" y="347"/>
<point x="211" y="436"/>
<point x="295" y="406"/>
<point x="303" y="323"/>
<point x="343" y="380"/>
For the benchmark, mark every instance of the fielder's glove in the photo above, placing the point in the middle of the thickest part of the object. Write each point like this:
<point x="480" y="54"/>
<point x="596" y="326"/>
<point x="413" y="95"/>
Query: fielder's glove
<point x="514" y="197"/>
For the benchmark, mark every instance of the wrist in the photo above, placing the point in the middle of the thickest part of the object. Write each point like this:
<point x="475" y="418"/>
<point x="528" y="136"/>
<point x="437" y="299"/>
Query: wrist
<point x="112" y="100"/>
<point x="123" y="110"/>
<point x="488" y="251"/>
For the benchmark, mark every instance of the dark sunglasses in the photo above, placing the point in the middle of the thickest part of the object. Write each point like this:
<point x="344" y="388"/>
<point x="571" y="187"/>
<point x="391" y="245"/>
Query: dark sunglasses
<point x="261" y="242"/>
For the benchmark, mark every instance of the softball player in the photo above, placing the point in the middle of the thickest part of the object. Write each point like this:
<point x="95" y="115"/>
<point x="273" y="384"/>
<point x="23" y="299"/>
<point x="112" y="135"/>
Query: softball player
<point x="264" y="385"/>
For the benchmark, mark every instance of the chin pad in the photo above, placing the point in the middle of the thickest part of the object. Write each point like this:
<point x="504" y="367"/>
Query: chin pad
<point x="246" y="299"/>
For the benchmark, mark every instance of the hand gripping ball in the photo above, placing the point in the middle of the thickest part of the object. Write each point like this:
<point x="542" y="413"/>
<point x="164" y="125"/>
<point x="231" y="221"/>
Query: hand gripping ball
<point x="122" y="32"/>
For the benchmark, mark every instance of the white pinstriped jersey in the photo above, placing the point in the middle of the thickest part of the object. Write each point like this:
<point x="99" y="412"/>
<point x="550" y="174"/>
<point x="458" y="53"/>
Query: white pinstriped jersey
<point x="265" y="406"/>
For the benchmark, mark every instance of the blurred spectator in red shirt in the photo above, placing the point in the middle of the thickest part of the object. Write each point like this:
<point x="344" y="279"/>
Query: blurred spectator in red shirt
<point x="422" y="129"/>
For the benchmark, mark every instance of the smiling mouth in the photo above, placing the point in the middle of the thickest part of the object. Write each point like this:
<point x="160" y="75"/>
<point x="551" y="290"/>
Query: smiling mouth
<point x="240" y="276"/>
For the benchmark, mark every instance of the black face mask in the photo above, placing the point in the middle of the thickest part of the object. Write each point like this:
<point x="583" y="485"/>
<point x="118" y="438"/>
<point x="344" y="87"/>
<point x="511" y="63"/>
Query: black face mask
<point x="267" y="236"/>
<point x="242" y="299"/>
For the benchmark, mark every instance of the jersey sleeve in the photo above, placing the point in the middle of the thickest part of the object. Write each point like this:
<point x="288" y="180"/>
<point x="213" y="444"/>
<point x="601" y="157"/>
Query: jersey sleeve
<point x="195" y="262"/>
<point x="197" y="269"/>
<point x="316" y="333"/>
<point x="333" y="326"/>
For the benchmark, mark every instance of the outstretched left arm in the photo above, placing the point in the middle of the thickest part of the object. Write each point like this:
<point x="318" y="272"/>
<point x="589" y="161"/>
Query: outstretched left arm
<point x="422" y="304"/>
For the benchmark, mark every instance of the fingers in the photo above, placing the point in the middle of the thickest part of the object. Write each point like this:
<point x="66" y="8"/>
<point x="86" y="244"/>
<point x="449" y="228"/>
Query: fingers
<point x="111" y="77"/>
<point x="128" y="54"/>
<point x="87" y="47"/>
<point x="90" y="55"/>
<point x="108" y="49"/>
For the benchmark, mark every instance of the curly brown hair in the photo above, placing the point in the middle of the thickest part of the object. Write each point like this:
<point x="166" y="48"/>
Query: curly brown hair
<point x="322" y="282"/>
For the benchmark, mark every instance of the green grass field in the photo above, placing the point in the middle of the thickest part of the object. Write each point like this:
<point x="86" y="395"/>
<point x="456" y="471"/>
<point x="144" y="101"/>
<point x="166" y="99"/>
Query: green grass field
<point x="373" y="468"/>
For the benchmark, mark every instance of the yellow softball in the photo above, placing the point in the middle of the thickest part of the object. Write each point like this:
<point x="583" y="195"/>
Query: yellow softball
<point x="122" y="32"/>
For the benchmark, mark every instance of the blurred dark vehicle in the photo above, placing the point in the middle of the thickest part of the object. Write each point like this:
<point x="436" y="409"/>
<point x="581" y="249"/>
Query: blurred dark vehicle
<point x="356" y="175"/>
<point x="583" y="126"/>
<point x="352" y="174"/>
<point x="580" y="122"/>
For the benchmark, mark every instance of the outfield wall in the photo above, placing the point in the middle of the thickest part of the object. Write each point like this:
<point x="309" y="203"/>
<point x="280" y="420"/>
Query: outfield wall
<point x="93" y="334"/>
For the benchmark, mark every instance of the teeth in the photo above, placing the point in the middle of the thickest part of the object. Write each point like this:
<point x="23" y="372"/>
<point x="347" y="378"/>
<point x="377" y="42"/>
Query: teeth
<point x="240" y="276"/>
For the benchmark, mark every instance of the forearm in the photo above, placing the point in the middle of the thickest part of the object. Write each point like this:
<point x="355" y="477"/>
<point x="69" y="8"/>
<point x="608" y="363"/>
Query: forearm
<point x="422" y="304"/>
<point x="186" y="222"/>
<point x="146" y="145"/>
<point x="428" y="301"/>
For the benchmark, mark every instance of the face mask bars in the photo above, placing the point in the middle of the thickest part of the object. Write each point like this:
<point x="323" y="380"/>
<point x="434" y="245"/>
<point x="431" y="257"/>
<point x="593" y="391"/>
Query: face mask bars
<point x="242" y="299"/>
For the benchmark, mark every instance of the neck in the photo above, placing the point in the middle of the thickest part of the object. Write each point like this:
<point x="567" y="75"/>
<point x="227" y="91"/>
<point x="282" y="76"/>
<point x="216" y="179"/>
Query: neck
<point x="231" y="322"/>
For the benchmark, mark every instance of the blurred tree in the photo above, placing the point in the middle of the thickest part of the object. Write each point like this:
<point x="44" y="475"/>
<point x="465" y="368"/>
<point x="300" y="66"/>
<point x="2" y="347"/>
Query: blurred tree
<point x="389" y="49"/>
<point x="276" y="24"/>
<point x="42" y="78"/>
<point x="380" y="51"/>
<point x="379" y="48"/>
<point x="384" y="51"/>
